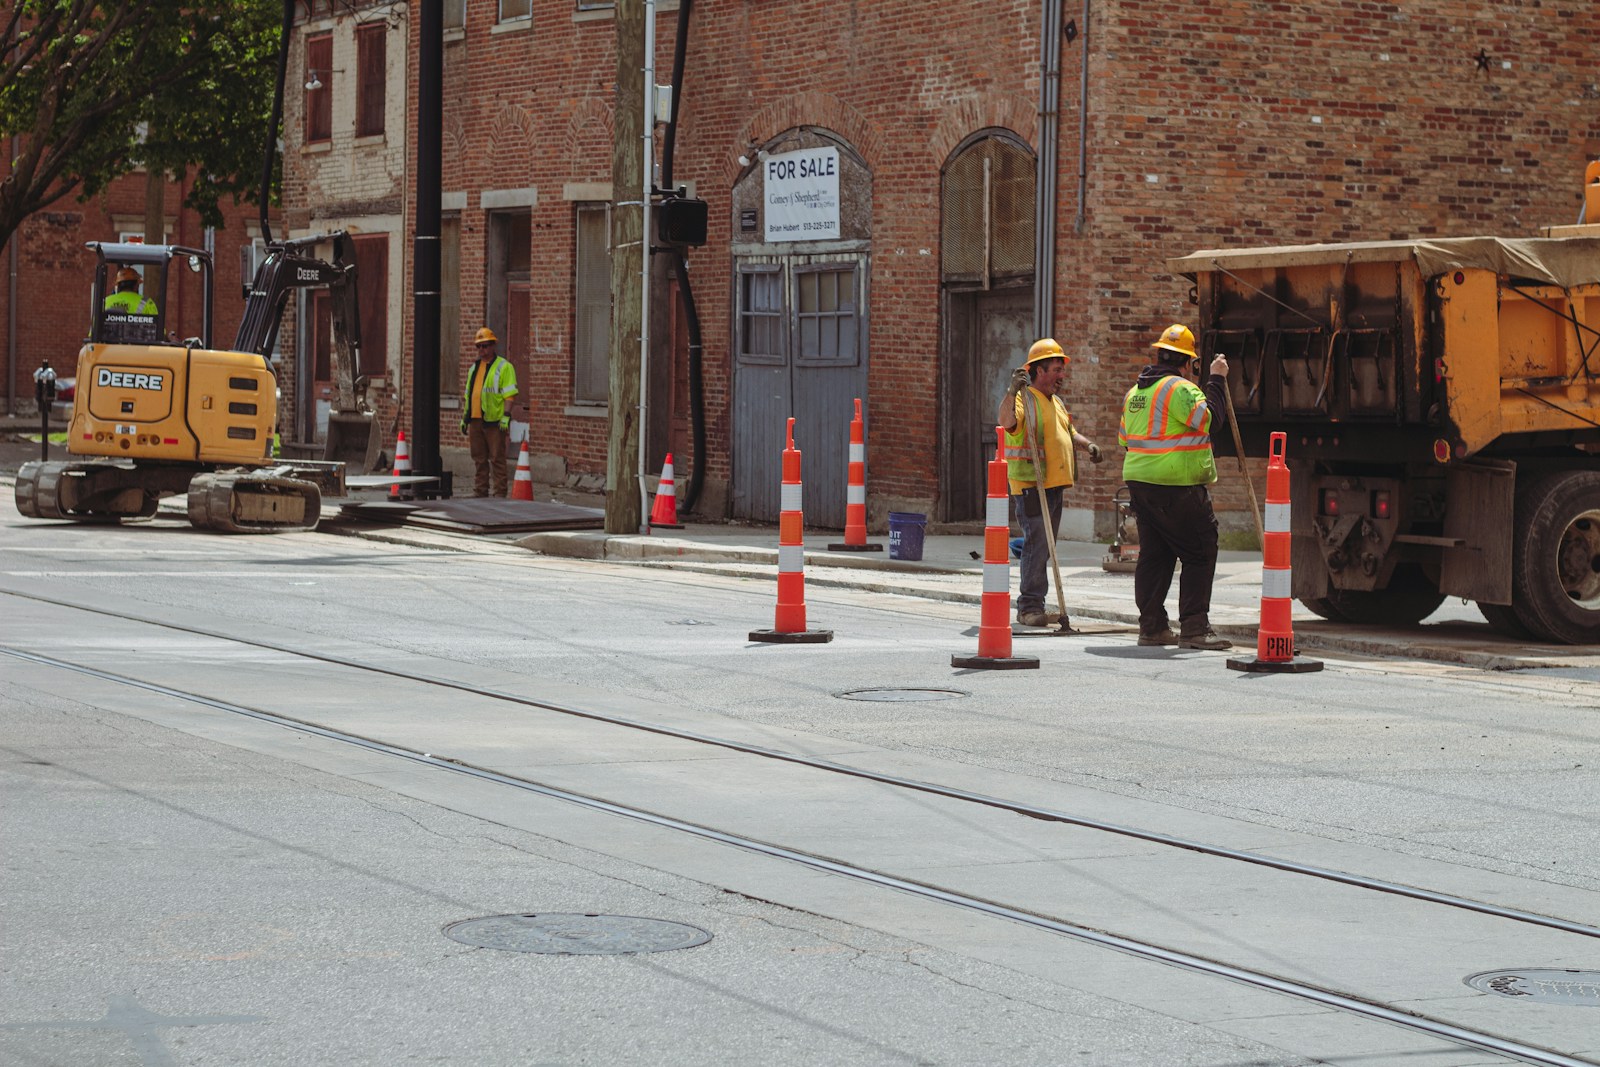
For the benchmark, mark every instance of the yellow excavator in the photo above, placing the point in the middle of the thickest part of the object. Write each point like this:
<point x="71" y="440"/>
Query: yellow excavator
<point x="154" y="416"/>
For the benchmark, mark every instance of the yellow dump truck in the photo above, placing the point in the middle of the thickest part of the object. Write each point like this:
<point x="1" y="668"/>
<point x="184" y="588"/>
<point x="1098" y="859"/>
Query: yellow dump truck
<point x="1442" y="401"/>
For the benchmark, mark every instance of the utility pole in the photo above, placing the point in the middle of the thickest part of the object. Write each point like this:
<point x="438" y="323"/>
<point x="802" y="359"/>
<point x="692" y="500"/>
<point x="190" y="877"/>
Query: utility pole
<point x="624" y="512"/>
<point x="425" y="248"/>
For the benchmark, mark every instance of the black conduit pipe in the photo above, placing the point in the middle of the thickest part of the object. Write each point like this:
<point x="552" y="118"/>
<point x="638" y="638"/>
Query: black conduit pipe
<point x="697" y="399"/>
<point x="271" y="150"/>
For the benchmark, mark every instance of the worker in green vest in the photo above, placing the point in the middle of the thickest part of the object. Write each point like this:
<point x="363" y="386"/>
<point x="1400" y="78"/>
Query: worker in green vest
<point x="127" y="299"/>
<point x="1167" y="422"/>
<point x="485" y="417"/>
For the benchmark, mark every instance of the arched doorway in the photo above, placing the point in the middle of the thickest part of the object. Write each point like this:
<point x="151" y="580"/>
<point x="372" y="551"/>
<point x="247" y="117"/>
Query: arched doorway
<point x="799" y="318"/>
<point x="986" y="263"/>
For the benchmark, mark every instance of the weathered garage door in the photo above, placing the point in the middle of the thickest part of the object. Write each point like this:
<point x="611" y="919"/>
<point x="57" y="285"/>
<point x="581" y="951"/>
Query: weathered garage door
<point x="800" y="351"/>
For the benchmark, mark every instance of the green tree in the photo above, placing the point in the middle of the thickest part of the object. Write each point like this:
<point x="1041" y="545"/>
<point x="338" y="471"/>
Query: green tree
<point x="91" y="90"/>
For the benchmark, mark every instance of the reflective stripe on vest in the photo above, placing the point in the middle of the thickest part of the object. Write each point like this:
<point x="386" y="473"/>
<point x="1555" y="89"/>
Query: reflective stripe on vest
<point x="499" y="383"/>
<point x="1168" y="435"/>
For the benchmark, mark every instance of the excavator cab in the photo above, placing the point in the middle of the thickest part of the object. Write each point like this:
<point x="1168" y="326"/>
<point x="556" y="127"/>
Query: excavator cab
<point x="129" y="292"/>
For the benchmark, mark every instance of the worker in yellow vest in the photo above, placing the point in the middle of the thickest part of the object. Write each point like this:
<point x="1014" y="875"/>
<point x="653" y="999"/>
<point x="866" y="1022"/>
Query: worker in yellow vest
<point x="1167" y="422"/>
<point x="485" y="418"/>
<point x="1053" y="440"/>
<point x="127" y="299"/>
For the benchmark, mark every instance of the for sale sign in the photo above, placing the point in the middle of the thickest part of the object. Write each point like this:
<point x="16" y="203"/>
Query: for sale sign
<point x="802" y="195"/>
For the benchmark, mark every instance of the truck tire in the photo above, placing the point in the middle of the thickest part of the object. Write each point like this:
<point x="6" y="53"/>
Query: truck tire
<point x="1408" y="599"/>
<point x="1323" y="608"/>
<point x="1555" y="558"/>
<point x="1503" y="619"/>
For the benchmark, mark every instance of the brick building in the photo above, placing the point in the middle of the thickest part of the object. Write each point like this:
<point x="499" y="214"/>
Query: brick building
<point x="1178" y="127"/>
<point x="49" y="271"/>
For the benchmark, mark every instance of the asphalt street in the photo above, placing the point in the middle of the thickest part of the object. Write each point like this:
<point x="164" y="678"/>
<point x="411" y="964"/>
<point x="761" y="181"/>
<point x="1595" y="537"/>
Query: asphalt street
<point x="189" y="886"/>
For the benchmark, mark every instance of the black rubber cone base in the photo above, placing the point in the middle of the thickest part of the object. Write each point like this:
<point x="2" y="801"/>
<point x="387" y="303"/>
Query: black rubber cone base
<point x="792" y="637"/>
<point x="995" y="663"/>
<point x="1254" y="665"/>
<point x="855" y="548"/>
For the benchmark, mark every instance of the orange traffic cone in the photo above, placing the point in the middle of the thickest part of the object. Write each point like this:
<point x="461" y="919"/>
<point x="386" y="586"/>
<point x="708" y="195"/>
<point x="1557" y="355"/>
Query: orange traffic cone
<point x="994" y="626"/>
<point x="664" y="512"/>
<point x="522" y="483"/>
<point x="402" y="465"/>
<point x="789" y="626"/>
<point x="1275" y="638"/>
<point x="855" y="494"/>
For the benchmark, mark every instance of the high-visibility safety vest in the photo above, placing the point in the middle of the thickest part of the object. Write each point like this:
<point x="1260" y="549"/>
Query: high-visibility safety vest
<point x="131" y="302"/>
<point x="1166" y="429"/>
<point x="491" y="390"/>
<point x="1055" y="445"/>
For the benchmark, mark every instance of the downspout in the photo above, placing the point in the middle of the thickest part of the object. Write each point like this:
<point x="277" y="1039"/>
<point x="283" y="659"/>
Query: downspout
<point x="697" y="399"/>
<point x="1083" y="124"/>
<point x="648" y="191"/>
<point x="1044" y="206"/>
<point x="11" y="316"/>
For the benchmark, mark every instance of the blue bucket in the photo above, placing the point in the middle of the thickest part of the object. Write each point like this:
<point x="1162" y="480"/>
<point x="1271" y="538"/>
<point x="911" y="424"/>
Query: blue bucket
<point x="905" y="534"/>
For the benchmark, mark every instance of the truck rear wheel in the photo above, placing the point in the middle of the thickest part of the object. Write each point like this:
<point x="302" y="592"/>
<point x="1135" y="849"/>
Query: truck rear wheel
<point x="1555" y="559"/>
<point x="1408" y="599"/>
<point x="1503" y="619"/>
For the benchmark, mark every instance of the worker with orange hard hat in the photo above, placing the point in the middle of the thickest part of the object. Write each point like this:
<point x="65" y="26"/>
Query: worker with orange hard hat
<point x="1040" y="443"/>
<point x="485" y="415"/>
<point x="127" y="299"/>
<point x="1167" y="423"/>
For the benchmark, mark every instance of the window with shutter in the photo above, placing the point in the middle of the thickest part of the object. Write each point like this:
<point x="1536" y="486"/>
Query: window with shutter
<point x="592" y="311"/>
<point x="319" y="88"/>
<point x="370" y="75"/>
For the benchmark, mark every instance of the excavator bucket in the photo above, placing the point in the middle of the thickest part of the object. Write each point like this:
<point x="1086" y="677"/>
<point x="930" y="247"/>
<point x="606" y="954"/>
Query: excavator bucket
<point x="353" y="439"/>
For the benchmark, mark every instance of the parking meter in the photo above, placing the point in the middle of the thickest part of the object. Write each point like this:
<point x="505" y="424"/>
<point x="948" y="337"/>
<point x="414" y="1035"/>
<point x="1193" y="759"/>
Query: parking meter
<point x="44" y="391"/>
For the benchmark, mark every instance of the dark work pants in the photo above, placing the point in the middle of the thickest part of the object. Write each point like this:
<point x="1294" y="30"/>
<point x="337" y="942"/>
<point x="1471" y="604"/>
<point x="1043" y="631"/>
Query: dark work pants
<point x="1175" y="523"/>
<point x="487" y="443"/>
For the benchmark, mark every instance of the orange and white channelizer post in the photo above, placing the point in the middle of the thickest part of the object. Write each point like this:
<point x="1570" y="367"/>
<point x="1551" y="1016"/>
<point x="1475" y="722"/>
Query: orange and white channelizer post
<point x="855" y="500"/>
<point x="1275" y="638"/>
<point x="789" y="626"/>
<point x="994" y="625"/>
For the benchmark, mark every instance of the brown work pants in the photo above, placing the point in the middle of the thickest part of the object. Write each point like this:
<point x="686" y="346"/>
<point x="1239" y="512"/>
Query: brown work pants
<point x="488" y="444"/>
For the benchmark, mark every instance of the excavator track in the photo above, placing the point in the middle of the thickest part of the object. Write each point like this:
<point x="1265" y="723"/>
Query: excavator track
<point x="86" y="491"/>
<point x="246" y="502"/>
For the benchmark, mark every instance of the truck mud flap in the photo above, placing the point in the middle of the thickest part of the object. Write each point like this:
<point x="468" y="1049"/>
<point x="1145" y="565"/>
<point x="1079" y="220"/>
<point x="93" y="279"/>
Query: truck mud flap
<point x="253" y="503"/>
<point x="1481" y="495"/>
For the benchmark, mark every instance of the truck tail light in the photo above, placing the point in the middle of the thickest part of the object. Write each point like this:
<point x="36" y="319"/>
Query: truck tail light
<point x="1330" y="502"/>
<point x="1380" y="503"/>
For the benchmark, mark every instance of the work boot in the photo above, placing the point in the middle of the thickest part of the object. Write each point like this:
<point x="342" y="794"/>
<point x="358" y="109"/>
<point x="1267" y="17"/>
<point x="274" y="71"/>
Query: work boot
<point x="1207" y="641"/>
<point x="1164" y="637"/>
<point x="1038" y="618"/>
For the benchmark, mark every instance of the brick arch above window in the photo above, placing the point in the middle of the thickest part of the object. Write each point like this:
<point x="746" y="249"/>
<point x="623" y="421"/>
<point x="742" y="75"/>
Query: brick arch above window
<point x="586" y="133"/>
<point x="817" y="109"/>
<point x="957" y="123"/>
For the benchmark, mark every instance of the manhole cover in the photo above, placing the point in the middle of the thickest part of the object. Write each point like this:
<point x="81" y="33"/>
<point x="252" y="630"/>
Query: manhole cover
<point x="562" y="934"/>
<point x="1545" y="985"/>
<point x="902" y="694"/>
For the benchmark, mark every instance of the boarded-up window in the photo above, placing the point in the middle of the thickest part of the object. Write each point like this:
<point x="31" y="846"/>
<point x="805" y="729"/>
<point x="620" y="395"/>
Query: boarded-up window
<point x="825" y="316"/>
<point x="371" y="75"/>
<point x="515" y="9"/>
<point x="372" y="287"/>
<point x="761" y="326"/>
<point x="319" y="87"/>
<point x="372" y="293"/>
<point x="455" y="14"/>
<point x="591" y="342"/>
<point x="987" y="232"/>
<point x="450" y="305"/>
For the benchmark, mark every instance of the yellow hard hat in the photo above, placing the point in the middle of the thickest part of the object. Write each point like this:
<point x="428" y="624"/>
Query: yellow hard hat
<point x="127" y="274"/>
<point x="1046" y="348"/>
<point x="1177" y="338"/>
<point x="485" y="336"/>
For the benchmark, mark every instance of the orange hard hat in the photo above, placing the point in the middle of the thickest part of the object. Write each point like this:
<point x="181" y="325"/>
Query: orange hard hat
<point x="128" y="274"/>
<point x="485" y="336"/>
